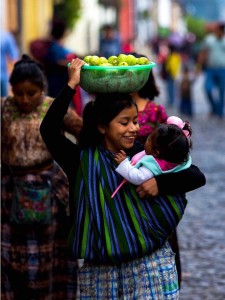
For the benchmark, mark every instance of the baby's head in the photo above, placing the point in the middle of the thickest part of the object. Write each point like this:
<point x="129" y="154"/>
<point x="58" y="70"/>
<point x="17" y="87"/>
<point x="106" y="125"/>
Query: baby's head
<point x="170" y="141"/>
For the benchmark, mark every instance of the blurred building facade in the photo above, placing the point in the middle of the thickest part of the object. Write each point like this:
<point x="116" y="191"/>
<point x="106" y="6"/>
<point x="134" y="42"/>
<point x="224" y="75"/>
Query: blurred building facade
<point x="136" y="21"/>
<point x="26" y="19"/>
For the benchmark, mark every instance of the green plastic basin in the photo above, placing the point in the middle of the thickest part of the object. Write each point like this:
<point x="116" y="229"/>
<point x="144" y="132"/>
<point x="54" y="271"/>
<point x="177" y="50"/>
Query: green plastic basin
<point x="109" y="79"/>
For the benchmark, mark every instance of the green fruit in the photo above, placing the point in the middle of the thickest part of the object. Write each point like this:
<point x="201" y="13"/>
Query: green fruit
<point x="113" y="60"/>
<point x="131" y="60"/>
<point x="106" y="64"/>
<point x="121" y="58"/>
<point x="123" y="63"/>
<point x="102" y="60"/>
<point x="86" y="58"/>
<point x="143" y="60"/>
<point x="94" y="60"/>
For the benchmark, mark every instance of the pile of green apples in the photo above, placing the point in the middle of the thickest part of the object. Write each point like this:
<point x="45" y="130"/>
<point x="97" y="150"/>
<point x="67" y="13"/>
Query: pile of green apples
<point x="120" y="60"/>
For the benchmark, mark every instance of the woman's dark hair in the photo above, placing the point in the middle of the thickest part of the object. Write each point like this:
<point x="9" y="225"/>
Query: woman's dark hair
<point x="101" y="112"/>
<point x="28" y="69"/>
<point x="170" y="143"/>
<point x="150" y="89"/>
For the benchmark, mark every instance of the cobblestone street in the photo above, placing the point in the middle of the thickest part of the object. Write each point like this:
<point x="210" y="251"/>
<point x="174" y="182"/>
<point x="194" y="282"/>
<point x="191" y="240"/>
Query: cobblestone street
<point x="201" y="232"/>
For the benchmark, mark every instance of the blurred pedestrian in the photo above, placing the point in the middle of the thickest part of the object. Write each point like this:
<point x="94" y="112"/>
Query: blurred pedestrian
<point x="55" y="57"/>
<point x="150" y="112"/>
<point x="212" y="57"/>
<point x="110" y="43"/>
<point x="34" y="202"/>
<point x="9" y="55"/>
<point x="173" y="64"/>
<point x="186" y="101"/>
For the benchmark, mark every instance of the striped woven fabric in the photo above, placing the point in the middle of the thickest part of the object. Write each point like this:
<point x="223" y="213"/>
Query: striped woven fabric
<point x="107" y="230"/>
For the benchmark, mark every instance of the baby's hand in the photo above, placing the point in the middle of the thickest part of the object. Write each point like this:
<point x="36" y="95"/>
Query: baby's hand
<point x="120" y="156"/>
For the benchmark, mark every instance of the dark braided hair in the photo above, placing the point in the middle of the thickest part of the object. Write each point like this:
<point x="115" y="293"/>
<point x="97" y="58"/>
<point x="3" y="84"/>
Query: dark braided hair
<point x="28" y="69"/>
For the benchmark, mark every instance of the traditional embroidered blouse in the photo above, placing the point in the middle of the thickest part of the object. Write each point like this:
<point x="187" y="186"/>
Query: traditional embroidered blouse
<point x="152" y="116"/>
<point x="22" y="143"/>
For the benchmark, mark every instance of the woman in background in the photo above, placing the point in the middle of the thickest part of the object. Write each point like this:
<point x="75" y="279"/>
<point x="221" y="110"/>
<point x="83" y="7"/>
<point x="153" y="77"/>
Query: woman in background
<point x="150" y="113"/>
<point x="34" y="257"/>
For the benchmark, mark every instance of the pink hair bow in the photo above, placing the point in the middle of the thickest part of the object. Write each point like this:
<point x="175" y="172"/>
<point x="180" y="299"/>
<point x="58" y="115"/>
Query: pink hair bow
<point x="177" y="121"/>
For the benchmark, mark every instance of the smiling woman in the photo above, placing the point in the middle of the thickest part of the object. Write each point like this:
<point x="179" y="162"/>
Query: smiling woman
<point x="123" y="129"/>
<point x="126" y="235"/>
<point x="116" y="129"/>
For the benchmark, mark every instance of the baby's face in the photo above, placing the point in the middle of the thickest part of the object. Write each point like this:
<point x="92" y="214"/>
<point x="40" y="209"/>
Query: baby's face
<point x="148" y="146"/>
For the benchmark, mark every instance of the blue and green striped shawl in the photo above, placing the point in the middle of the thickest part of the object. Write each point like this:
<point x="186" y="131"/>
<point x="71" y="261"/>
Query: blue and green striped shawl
<point x="107" y="230"/>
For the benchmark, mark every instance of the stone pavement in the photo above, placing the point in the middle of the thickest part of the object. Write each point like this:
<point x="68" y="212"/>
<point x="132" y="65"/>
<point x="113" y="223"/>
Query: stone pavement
<point x="201" y="232"/>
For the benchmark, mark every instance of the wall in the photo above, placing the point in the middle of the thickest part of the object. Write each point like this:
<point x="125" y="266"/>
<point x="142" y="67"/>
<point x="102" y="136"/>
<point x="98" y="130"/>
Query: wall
<point x="28" y="19"/>
<point x="85" y="36"/>
<point x="35" y="15"/>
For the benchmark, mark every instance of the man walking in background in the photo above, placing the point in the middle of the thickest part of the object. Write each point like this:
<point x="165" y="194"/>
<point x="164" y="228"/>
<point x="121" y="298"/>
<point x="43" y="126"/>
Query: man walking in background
<point x="212" y="56"/>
